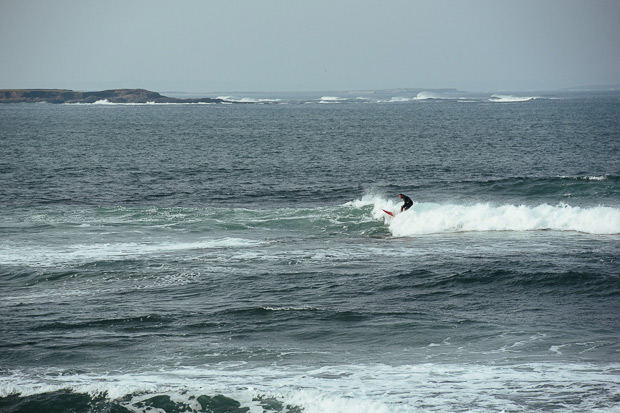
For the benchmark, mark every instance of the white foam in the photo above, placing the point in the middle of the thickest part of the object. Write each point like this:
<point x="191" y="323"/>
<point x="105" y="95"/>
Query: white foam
<point x="596" y="178"/>
<point x="426" y="96"/>
<point x="431" y="218"/>
<point x="347" y="387"/>
<point x="440" y="95"/>
<point x="510" y="98"/>
<point x="397" y="99"/>
<point x="248" y="99"/>
<point x="369" y="199"/>
<point x="586" y="178"/>
<point x="105" y="102"/>
<point x="45" y="255"/>
<point x="332" y="99"/>
<point x="303" y="308"/>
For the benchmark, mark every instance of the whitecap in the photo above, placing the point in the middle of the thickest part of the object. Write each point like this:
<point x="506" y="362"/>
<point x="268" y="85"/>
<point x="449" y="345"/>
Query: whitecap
<point x="331" y="99"/>
<point x="433" y="218"/>
<point x="510" y="98"/>
<point x="344" y="387"/>
<point x="430" y="218"/>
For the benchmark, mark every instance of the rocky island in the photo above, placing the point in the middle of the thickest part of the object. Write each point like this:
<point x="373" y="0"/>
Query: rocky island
<point x="112" y="96"/>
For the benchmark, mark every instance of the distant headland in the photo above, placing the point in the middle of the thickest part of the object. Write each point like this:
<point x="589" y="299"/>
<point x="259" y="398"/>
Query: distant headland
<point x="111" y="96"/>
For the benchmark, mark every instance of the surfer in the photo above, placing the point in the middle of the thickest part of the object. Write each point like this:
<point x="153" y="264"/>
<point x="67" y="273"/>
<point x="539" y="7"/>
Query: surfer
<point x="407" y="202"/>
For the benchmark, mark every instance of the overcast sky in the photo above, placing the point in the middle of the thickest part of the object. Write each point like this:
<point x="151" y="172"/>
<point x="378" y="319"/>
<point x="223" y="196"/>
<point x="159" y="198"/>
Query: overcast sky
<point x="309" y="45"/>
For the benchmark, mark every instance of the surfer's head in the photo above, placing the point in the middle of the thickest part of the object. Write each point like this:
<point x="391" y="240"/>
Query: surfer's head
<point x="400" y="195"/>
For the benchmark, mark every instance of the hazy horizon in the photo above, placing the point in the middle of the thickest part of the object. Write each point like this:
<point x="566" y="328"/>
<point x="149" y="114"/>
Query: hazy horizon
<point x="579" y="88"/>
<point x="282" y="46"/>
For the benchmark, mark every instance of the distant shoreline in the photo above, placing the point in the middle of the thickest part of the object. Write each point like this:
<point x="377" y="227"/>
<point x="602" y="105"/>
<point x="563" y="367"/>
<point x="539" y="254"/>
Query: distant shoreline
<point x="59" y="96"/>
<point x="143" y="96"/>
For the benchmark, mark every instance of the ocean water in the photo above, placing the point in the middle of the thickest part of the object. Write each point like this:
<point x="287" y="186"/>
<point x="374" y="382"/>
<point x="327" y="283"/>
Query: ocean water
<point x="236" y="258"/>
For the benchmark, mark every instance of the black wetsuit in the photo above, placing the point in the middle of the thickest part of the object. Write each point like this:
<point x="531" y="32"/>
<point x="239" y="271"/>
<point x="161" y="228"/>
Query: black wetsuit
<point x="408" y="203"/>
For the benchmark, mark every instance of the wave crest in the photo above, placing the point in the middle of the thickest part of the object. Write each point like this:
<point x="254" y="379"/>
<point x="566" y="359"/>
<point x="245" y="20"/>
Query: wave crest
<point x="510" y="98"/>
<point x="431" y="218"/>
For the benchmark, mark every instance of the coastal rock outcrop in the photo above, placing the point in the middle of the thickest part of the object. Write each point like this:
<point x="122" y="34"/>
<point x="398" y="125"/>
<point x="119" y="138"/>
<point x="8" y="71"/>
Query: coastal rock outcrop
<point x="112" y="96"/>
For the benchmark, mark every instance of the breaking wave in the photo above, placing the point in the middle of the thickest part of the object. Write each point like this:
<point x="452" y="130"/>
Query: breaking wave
<point x="248" y="99"/>
<point x="111" y="235"/>
<point x="432" y="218"/>
<point x="106" y="102"/>
<point x="235" y="387"/>
<point x="332" y="99"/>
<point x="510" y="98"/>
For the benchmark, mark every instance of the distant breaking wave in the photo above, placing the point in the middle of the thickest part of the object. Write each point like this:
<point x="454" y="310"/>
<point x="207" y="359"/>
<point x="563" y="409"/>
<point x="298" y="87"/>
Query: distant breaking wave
<point x="248" y="99"/>
<point x="332" y="99"/>
<point x="106" y="102"/>
<point x="510" y="98"/>
<point x="430" y="95"/>
<point x="420" y="97"/>
<point x="397" y="99"/>
<point x="426" y="96"/>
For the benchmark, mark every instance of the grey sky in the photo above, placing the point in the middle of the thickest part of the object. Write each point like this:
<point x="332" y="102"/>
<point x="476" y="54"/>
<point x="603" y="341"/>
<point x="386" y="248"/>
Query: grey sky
<point x="308" y="45"/>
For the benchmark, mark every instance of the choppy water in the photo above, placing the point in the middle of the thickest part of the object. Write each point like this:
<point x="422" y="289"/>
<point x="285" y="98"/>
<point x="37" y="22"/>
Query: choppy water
<point x="237" y="258"/>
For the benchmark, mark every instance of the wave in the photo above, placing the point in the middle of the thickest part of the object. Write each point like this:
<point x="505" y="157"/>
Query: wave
<point x="377" y="388"/>
<point x="433" y="218"/>
<point x="79" y="236"/>
<point x="248" y="99"/>
<point x="398" y="99"/>
<point x="419" y="97"/>
<point x="511" y="98"/>
<point x="106" y="102"/>
<point x="429" y="96"/>
<point x="332" y="99"/>
<point x="588" y="188"/>
<point x="551" y="180"/>
<point x="58" y="237"/>
<point x="590" y="177"/>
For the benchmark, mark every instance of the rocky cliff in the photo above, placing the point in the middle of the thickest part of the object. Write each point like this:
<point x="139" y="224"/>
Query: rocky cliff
<point x="112" y="96"/>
